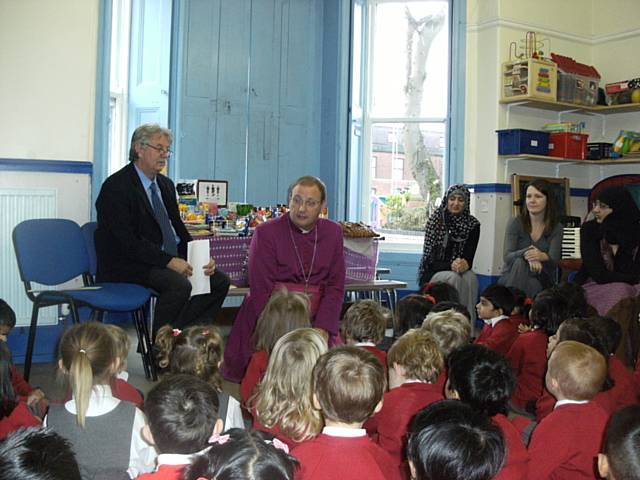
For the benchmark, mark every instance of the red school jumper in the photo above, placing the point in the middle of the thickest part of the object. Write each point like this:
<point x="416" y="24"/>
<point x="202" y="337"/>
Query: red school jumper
<point x="380" y="354"/>
<point x="164" y="472"/>
<point x="516" y="464"/>
<point x="528" y="359"/>
<point x="498" y="338"/>
<point x="347" y="458"/>
<point x="566" y="442"/>
<point x="253" y="376"/>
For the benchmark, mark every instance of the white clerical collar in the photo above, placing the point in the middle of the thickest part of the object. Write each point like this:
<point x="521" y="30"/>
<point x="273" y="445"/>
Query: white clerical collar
<point x="495" y="320"/>
<point x="364" y="344"/>
<point x="568" y="401"/>
<point x="344" y="432"/>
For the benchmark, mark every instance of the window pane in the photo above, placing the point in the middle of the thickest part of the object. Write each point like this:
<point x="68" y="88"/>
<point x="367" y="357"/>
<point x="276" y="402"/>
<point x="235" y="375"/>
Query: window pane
<point x="409" y="160"/>
<point x="410" y="54"/>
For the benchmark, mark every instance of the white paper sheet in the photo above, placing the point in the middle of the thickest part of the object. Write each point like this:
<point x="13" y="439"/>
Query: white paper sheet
<point x="198" y="256"/>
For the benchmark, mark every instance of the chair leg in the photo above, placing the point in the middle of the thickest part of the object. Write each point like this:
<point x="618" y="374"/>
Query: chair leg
<point x="75" y="316"/>
<point x="142" y="343"/>
<point x="31" y="341"/>
<point x="148" y="344"/>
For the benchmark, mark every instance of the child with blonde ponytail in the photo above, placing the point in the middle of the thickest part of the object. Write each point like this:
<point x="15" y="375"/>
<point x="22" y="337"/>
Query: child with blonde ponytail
<point x="105" y="432"/>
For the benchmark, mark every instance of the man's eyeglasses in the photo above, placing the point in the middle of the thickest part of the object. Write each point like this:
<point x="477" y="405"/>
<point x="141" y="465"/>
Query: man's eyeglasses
<point x="309" y="202"/>
<point x="161" y="150"/>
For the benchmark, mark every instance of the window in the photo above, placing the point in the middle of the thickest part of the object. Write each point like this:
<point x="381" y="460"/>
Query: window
<point x="405" y="97"/>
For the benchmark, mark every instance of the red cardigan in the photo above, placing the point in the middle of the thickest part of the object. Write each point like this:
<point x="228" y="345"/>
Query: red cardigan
<point x="164" y="472"/>
<point x="253" y="376"/>
<point x="19" y="418"/>
<point x="20" y="385"/>
<point x="566" y="443"/>
<point x="123" y="390"/>
<point x="347" y="458"/>
<point x="528" y="358"/>
<point x="517" y="462"/>
<point x="380" y="354"/>
<point x="498" y="338"/>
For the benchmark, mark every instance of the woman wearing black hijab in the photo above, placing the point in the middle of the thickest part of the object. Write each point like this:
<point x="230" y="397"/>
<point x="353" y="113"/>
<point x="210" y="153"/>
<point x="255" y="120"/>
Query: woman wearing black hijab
<point x="610" y="272"/>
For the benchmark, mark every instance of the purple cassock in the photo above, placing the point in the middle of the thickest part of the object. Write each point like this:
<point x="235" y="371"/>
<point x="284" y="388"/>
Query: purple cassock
<point x="280" y="253"/>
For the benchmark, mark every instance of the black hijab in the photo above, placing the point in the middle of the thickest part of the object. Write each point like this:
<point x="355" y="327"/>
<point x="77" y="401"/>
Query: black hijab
<point x="622" y="225"/>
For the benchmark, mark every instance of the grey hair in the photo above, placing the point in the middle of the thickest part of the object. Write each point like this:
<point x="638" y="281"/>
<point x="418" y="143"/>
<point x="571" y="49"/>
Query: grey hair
<point x="143" y="134"/>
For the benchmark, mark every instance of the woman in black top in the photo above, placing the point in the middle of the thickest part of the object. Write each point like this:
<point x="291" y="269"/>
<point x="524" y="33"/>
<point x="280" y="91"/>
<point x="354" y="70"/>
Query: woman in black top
<point x="450" y="242"/>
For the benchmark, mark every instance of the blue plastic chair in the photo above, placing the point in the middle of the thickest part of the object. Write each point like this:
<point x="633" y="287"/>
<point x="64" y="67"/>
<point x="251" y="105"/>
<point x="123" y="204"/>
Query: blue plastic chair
<point x="51" y="252"/>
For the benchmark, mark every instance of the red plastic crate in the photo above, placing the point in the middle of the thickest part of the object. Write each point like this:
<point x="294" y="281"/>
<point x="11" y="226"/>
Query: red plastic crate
<point x="568" y="145"/>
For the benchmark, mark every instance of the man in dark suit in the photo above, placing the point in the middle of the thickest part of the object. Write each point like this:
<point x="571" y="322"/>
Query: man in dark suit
<point x="141" y="239"/>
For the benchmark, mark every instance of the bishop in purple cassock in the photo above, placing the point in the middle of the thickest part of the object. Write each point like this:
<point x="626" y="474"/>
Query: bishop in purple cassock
<point x="299" y="251"/>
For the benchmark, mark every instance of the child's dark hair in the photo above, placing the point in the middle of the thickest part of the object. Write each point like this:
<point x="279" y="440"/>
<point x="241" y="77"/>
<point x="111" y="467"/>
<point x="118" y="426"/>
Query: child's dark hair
<point x="37" y="454"/>
<point x="500" y="297"/>
<point x="441" y="292"/>
<point x="548" y="311"/>
<point x="520" y="301"/>
<point x="182" y="411"/>
<point x="458" y="307"/>
<point x="243" y="454"/>
<point x="622" y="443"/>
<point x="573" y="293"/>
<point x="8" y="399"/>
<point x="412" y="311"/>
<point x="7" y="315"/>
<point x="610" y="332"/>
<point x="364" y="321"/>
<point x="196" y="350"/>
<point x="449" y="440"/>
<point x="482" y="377"/>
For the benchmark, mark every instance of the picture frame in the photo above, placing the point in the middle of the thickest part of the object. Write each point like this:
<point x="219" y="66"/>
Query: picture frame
<point x="559" y="186"/>
<point x="213" y="191"/>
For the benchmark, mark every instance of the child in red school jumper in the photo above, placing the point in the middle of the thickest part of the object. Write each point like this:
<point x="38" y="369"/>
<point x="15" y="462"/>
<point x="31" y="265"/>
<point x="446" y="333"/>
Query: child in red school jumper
<point x="33" y="397"/>
<point x="528" y="354"/>
<point x="566" y="443"/>
<point x="620" y="457"/>
<point x="449" y="440"/>
<point x="415" y="362"/>
<point x="282" y="404"/>
<point x="482" y="378"/>
<point x="451" y="330"/>
<point x="182" y="412"/>
<point x="348" y="384"/>
<point x="198" y="351"/>
<point x="521" y="306"/>
<point x="121" y="388"/>
<point x="285" y="311"/>
<point x="412" y="310"/>
<point x="363" y="325"/>
<point x="494" y="308"/>
<point x="440" y="292"/>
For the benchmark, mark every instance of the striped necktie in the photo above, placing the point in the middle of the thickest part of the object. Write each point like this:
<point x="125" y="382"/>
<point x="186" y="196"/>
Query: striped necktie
<point x="169" y="244"/>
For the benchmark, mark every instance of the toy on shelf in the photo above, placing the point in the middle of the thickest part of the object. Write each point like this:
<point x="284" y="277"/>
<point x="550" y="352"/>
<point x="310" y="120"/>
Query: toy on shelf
<point x="577" y="82"/>
<point x="528" y="74"/>
<point x="620" y="93"/>
<point x="627" y="144"/>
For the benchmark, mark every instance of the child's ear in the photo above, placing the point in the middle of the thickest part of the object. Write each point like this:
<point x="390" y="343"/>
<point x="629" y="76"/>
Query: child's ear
<point x="218" y="428"/>
<point x="603" y="465"/>
<point x="450" y="393"/>
<point x="316" y="403"/>
<point x="412" y="469"/>
<point x="115" y="366"/>
<point x="61" y="366"/>
<point x="378" y="406"/>
<point x="147" y="435"/>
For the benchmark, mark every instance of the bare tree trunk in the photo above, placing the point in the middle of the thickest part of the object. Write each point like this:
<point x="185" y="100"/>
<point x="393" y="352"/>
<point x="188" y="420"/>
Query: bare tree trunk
<point x="420" y="35"/>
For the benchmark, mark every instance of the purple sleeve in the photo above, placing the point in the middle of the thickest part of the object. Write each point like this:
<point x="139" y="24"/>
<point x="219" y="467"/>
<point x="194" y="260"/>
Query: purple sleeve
<point x="262" y="268"/>
<point x="328" y="316"/>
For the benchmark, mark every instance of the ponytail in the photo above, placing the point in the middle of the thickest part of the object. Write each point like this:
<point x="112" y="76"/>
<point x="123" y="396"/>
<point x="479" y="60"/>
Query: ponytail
<point x="81" y="379"/>
<point x="165" y="342"/>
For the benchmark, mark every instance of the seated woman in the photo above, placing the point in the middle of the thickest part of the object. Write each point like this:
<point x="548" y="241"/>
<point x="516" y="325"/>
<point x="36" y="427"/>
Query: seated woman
<point x="610" y="272"/>
<point x="533" y="242"/>
<point x="450" y="243"/>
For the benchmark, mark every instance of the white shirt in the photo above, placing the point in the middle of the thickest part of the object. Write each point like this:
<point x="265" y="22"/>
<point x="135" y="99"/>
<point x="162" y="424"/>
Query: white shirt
<point x="495" y="320"/>
<point x="234" y="415"/>
<point x="142" y="456"/>
<point x="344" y="432"/>
<point x="567" y="401"/>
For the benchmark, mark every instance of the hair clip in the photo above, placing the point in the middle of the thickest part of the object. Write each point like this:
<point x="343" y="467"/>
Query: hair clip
<point x="430" y="297"/>
<point x="528" y="301"/>
<point x="205" y="333"/>
<point x="219" y="439"/>
<point x="176" y="332"/>
<point x="280" y="445"/>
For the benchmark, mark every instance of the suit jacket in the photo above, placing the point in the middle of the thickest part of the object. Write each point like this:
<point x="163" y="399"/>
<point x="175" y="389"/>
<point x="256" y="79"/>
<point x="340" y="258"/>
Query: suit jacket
<point x="128" y="237"/>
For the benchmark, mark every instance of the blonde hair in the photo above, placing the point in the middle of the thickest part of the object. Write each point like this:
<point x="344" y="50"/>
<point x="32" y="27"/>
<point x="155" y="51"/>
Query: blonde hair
<point x="579" y="369"/>
<point x="284" y="312"/>
<point x="88" y="355"/>
<point x="196" y="350"/>
<point x="284" y="397"/>
<point x="364" y="321"/>
<point x="418" y="352"/>
<point x="122" y="343"/>
<point x="450" y="329"/>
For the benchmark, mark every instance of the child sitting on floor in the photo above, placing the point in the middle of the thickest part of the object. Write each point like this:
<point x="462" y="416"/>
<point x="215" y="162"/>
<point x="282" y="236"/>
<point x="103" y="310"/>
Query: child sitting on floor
<point x="240" y="454"/>
<point x="482" y="378"/>
<point x="494" y="308"/>
<point x="122" y="389"/>
<point x="620" y="457"/>
<point x="415" y="362"/>
<point x="285" y="311"/>
<point x="348" y="383"/>
<point x="198" y="351"/>
<point x="182" y="411"/>
<point x="282" y="404"/>
<point x="363" y="325"/>
<point x="412" y="310"/>
<point x="449" y="440"/>
<point x="566" y="442"/>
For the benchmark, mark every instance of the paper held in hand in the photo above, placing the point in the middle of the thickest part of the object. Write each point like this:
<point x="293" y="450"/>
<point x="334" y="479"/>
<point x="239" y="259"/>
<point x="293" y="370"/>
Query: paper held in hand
<point x="198" y="256"/>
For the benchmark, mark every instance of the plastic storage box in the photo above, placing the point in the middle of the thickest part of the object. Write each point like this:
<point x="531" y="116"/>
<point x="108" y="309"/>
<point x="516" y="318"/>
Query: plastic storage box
<point x="599" y="150"/>
<point x="568" y="145"/>
<point x="517" y="140"/>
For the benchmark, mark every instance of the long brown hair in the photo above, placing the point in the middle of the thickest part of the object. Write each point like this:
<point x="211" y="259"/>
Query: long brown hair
<point x="551" y="215"/>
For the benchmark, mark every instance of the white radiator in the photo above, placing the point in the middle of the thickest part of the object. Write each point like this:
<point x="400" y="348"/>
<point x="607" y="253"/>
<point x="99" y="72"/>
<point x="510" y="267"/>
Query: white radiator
<point x="17" y="205"/>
